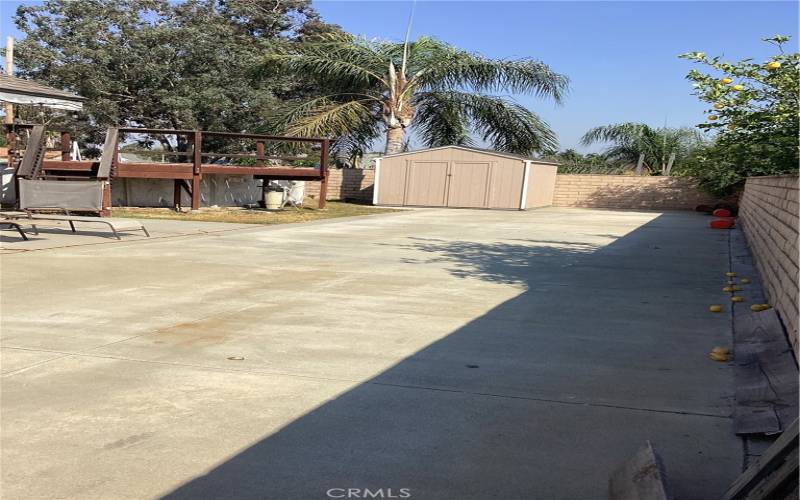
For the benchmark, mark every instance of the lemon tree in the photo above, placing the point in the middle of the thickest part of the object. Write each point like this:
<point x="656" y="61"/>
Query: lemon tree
<point x="753" y="113"/>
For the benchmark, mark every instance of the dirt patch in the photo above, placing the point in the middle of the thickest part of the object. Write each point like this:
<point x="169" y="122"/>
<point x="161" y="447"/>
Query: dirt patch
<point x="307" y="213"/>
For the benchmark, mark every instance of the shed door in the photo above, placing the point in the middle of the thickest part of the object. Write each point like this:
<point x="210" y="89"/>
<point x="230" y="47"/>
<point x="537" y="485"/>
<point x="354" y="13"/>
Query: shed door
<point x="426" y="183"/>
<point x="505" y="188"/>
<point x="468" y="184"/>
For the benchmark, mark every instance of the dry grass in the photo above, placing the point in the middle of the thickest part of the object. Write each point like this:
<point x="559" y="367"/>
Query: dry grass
<point x="308" y="213"/>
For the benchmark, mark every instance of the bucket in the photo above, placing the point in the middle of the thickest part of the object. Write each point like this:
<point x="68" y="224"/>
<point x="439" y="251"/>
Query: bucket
<point x="274" y="200"/>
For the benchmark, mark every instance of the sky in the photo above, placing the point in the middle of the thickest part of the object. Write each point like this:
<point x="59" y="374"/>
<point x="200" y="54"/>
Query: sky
<point x="621" y="57"/>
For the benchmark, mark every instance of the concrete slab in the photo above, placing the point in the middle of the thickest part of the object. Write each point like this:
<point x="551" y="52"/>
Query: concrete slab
<point x="457" y="353"/>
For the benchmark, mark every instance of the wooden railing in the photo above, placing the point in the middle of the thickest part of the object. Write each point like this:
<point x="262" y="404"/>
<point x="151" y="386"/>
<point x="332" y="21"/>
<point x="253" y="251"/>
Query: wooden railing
<point x="187" y="175"/>
<point x="271" y="160"/>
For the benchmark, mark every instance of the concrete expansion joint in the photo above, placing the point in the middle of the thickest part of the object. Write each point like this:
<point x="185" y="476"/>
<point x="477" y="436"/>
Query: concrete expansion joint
<point x="381" y="384"/>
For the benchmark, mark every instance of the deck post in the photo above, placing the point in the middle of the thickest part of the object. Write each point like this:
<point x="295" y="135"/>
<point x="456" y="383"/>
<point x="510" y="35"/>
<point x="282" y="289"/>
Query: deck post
<point x="323" y="174"/>
<point x="106" y="210"/>
<point x="106" y="202"/>
<point x="176" y="195"/>
<point x="198" y="159"/>
<point x="11" y="139"/>
<point x="66" y="146"/>
<point x="260" y="154"/>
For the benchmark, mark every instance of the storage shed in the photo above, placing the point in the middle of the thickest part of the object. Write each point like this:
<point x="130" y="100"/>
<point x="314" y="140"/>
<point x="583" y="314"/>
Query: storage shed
<point x="462" y="177"/>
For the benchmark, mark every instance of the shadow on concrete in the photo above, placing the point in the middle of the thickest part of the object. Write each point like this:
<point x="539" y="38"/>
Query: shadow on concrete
<point x="540" y="397"/>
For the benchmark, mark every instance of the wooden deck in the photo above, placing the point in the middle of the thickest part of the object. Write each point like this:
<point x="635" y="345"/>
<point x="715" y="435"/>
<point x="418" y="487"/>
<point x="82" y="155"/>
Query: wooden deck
<point x="187" y="175"/>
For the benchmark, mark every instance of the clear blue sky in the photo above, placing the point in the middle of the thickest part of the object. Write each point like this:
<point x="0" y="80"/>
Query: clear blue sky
<point x="621" y="57"/>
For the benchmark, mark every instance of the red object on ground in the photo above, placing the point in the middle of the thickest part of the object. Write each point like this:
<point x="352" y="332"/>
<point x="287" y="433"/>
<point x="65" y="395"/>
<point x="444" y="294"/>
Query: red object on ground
<point x="721" y="212"/>
<point x="722" y="223"/>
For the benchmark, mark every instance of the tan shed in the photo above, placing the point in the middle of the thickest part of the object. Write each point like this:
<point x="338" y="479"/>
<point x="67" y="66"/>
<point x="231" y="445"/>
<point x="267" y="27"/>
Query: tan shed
<point x="462" y="177"/>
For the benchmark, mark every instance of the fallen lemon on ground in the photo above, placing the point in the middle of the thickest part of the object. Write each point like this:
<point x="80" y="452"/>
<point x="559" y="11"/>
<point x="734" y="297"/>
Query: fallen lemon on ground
<point x="773" y="65"/>
<point x="727" y="289"/>
<point x="737" y="298"/>
<point x="715" y="308"/>
<point x="745" y="280"/>
<point x="760" y="307"/>
<point x="726" y="80"/>
<point x="720" y="354"/>
<point x="730" y="275"/>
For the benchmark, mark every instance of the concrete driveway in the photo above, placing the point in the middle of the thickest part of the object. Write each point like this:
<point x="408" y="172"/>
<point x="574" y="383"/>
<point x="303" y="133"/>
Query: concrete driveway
<point x="450" y="353"/>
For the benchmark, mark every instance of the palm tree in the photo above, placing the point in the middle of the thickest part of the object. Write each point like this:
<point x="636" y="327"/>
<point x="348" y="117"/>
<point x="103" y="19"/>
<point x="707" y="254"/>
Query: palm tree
<point x="661" y="149"/>
<point x="377" y="87"/>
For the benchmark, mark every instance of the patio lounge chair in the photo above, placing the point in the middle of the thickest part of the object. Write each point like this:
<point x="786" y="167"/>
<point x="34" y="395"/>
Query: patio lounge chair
<point x="73" y="196"/>
<point x="18" y="227"/>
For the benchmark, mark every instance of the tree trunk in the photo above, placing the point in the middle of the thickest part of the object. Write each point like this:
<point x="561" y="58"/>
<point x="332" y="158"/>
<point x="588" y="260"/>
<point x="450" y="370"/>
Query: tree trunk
<point x="395" y="140"/>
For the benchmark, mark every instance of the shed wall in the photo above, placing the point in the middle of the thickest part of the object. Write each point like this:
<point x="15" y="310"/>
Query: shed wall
<point x="453" y="178"/>
<point x="541" y="185"/>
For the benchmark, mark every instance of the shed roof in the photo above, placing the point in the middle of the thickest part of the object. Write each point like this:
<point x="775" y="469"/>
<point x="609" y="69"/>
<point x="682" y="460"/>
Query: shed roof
<point x="22" y="91"/>
<point x="477" y="150"/>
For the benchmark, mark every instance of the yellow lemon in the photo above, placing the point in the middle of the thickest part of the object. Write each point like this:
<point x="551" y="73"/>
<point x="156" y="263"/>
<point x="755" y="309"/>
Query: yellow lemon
<point x="715" y="308"/>
<point x="720" y="353"/>
<point x="726" y="80"/>
<point x="727" y="289"/>
<point x="711" y="118"/>
<point x="737" y="288"/>
<point x="738" y="87"/>
<point x="737" y="298"/>
<point x="760" y="307"/>
<point x="773" y="65"/>
<point x="719" y="105"/>
<point x="745" y="280"/>
<point x="730" y="275"/>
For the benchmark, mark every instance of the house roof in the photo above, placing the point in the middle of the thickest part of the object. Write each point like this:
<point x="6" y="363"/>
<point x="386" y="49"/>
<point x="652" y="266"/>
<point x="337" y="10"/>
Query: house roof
<point x="478" y="150"/>
<point x="22" y="91"/>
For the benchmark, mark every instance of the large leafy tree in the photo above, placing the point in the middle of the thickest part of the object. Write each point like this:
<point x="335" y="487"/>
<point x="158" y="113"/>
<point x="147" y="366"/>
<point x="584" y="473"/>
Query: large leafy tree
<point x="373" y="88"/>
<point x="754" y="114"/>
<point x="663" y="149"/>
<point x="164" y="64"/>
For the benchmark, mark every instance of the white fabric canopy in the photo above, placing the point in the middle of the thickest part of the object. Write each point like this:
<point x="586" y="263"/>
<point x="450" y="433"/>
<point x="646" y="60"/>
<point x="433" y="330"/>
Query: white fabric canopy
<point x="49" y="102"/>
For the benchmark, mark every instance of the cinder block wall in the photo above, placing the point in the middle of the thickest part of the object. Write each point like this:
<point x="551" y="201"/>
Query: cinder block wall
<point x="768" y="215"/>
<point x="578" y="190"/>
<point x="346" y="183"/>
<point x="628" y="192"/>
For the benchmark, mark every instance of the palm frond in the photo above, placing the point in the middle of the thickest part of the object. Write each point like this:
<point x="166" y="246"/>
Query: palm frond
<point x="438" y="66"/>
<point x="337" y="60"/>
<point x="630" y="140"/>
<point x="623" y="132"/>
<point x="352" y="123"/>
<point x="441" y="120"/>
<point x="505" y="125"/>
<point x="433" y="94"/>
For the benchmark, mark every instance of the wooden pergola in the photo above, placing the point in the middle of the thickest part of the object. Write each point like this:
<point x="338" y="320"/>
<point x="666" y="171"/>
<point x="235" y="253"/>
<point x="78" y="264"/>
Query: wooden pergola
<point x="15" y="90"/>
